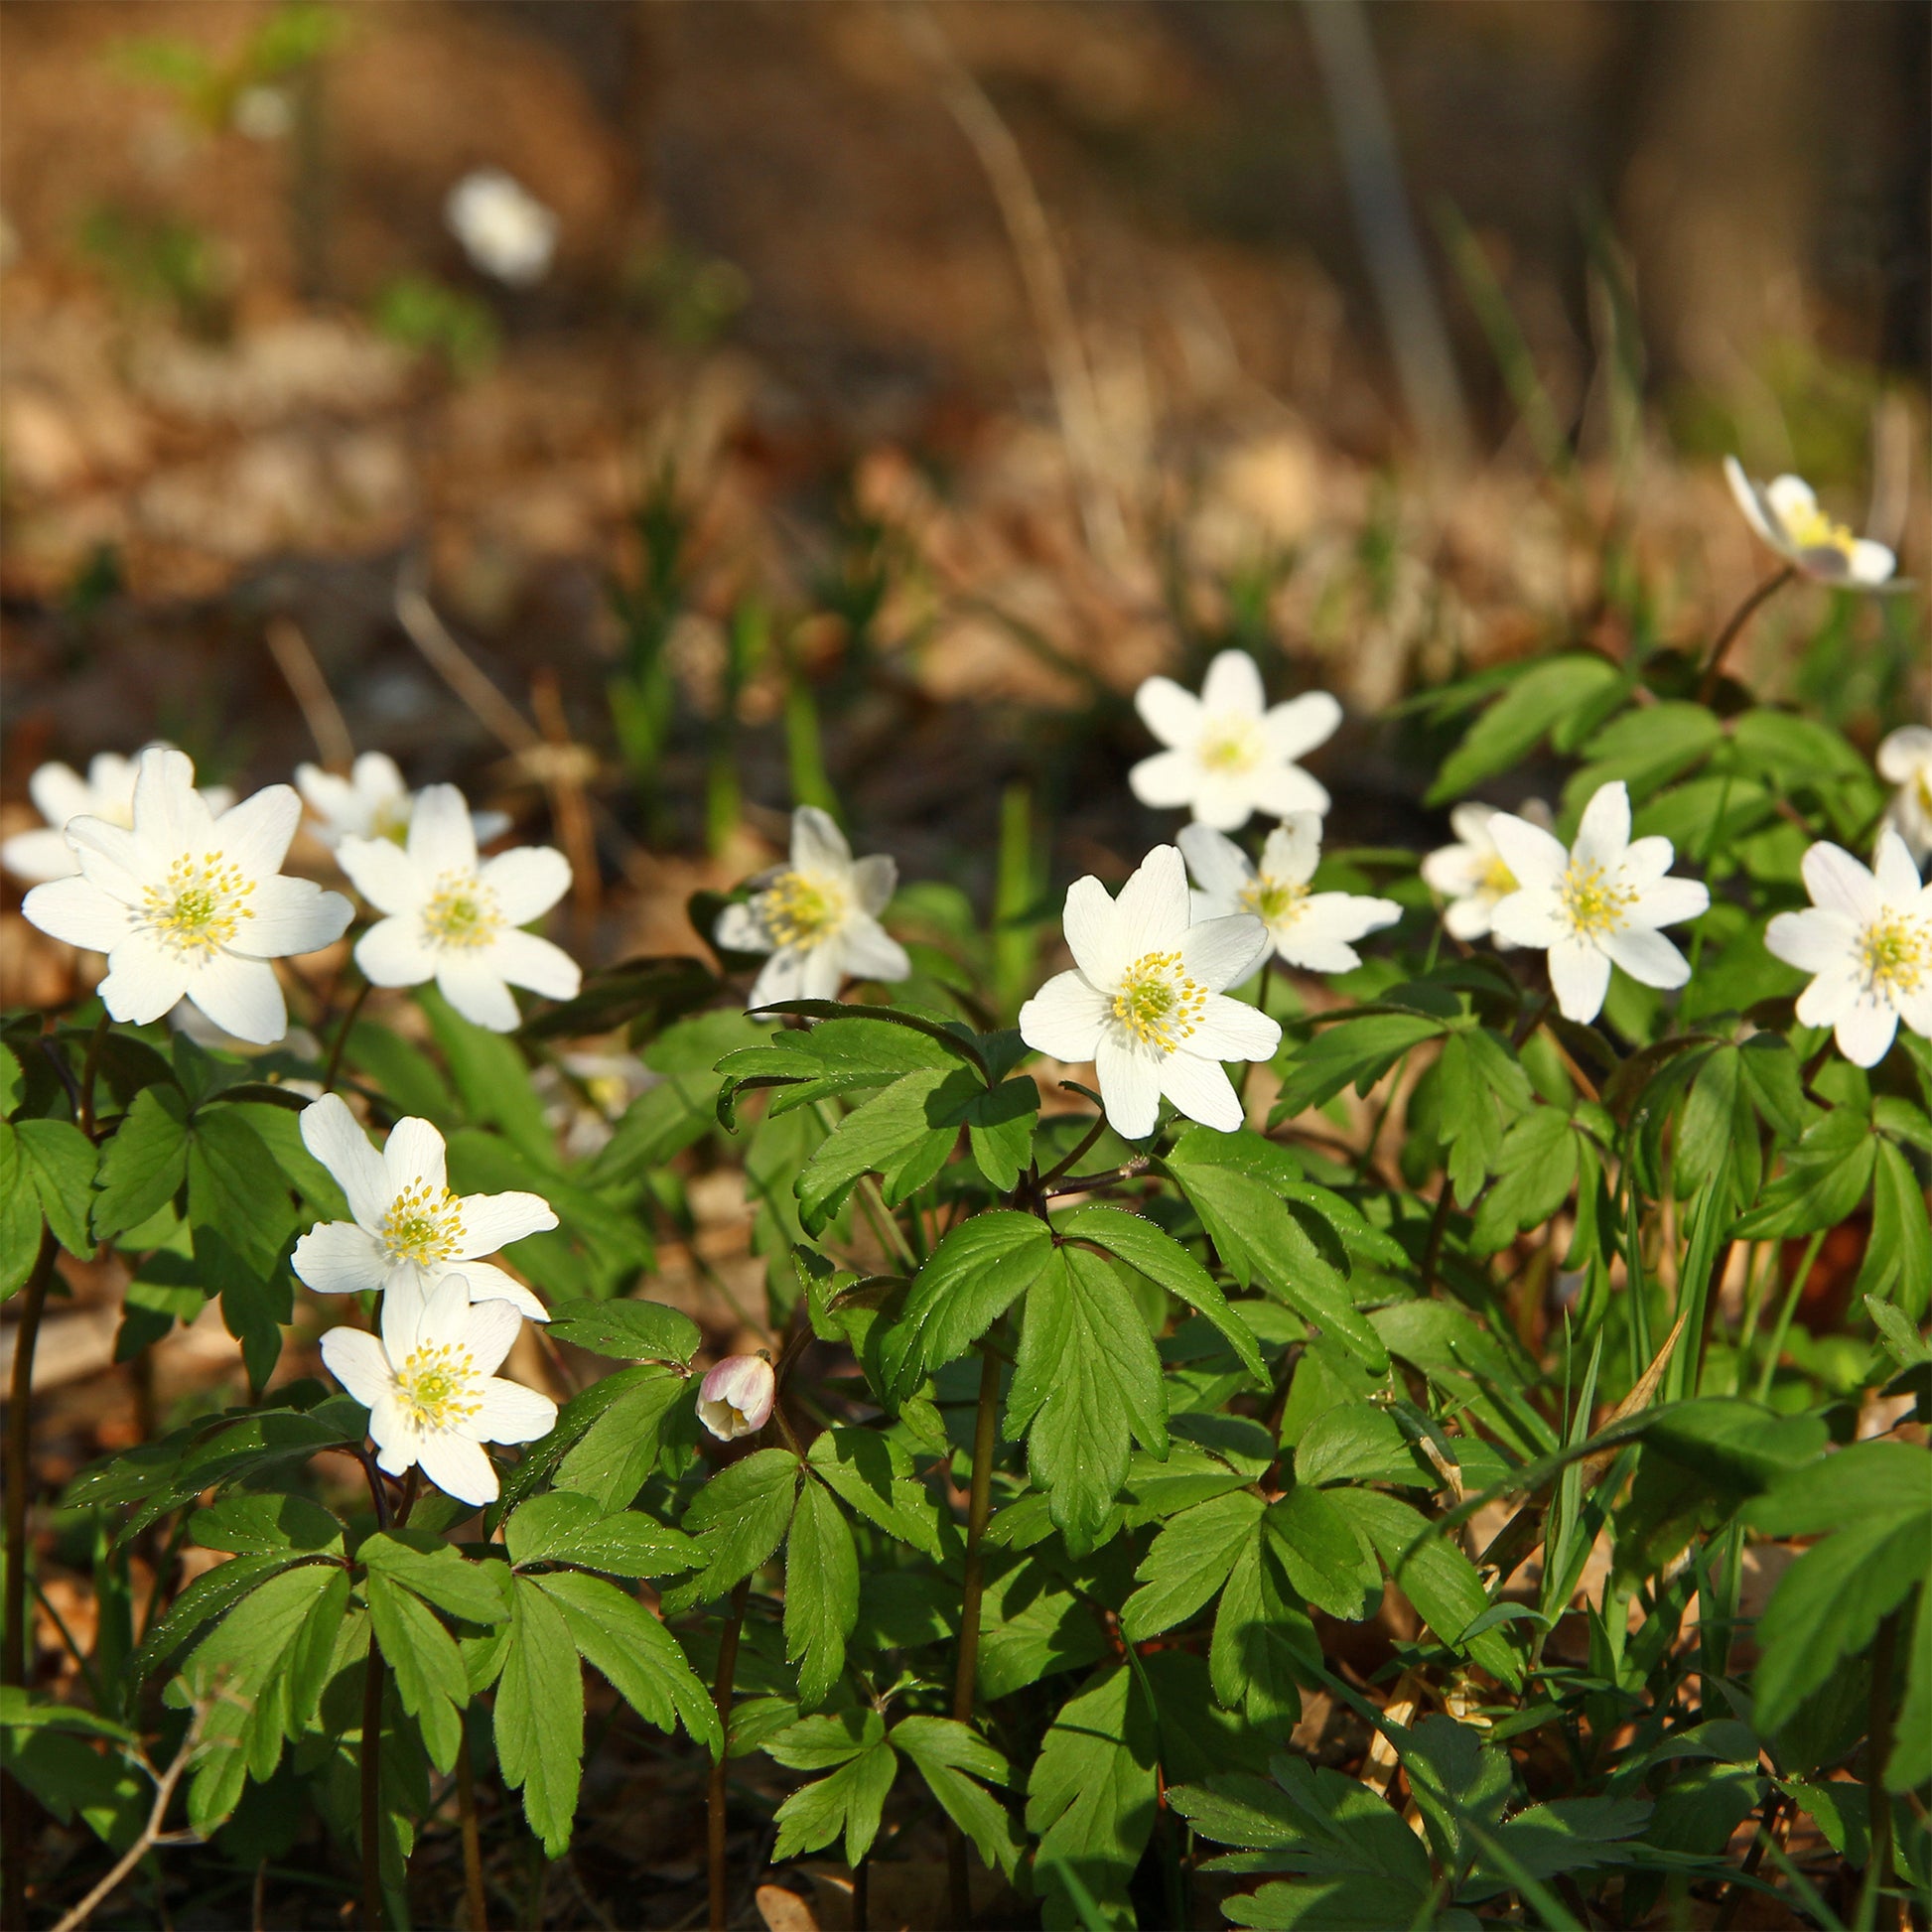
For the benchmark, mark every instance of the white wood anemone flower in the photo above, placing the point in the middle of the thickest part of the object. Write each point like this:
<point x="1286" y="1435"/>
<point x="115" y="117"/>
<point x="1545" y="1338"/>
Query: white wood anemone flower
<point x="1785" y="514"/>
<point x="737" y="1396"/>
<point x="1229" y="752"/>
<point x="1145" y="1001"/>
<point x="1867" y="939"/>
<point x="817" y="917"/>
<point x="1905" y="760"/>
<point x="373" y="802"/>
<point x="1472" y="875"/>
<point x="61" y="795"/>
<point x="188" y="906"/>
<point x="430" y="1385"/>
<point x="1597" y="904"/>
<point x="456" y="918"/>
<point x="409" y="1232"/>
<point x="1309" y="930"/>
<point x="503" y="228"/>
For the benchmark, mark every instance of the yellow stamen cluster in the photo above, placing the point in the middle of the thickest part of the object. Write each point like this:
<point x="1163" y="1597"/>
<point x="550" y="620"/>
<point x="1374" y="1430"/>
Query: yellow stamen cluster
<point x="462" y="913"/>
<point x="438" y="1385"/>
<point x="1157" y="1002"/>
<point x="199" y="908"/>
<point x="1232" y="745"/>
<point x="424" y="1224"/>
<point x="1593" y="900"/>
<point x="800" y="911"/>
<point x="1498" y="877"/>
<point x="1811" y="529"/>
<point x="1896" y="954"/>
<point x="1274" y="902"/>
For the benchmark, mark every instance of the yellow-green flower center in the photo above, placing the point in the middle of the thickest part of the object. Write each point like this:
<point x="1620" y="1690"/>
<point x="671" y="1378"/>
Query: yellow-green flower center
<point x="1230" y="746"/>
<point x="391" y="820"/>
<point x="1497" y="880"/>
<point x="1809" y="528"/>
<point x="437" y="1384"/>
<point x="1274" y="902"/>
<point x="1896" y="954"/>
<point x="462" y="913"/>
<point x="424" y="1224"/>
<point x="801" y="911"/>
<point x="1157" y="1002"/>
<point x="198" y="909"/>
<point x="1594" y="901"/>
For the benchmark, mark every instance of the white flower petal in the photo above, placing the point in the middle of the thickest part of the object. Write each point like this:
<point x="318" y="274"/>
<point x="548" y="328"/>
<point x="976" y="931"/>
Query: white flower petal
<point x="1469" y="821"/>
<point x="1670" y="902"/>
<point x="1231" y="1030"/>
<point x="1232" y="686"/>
<point x="292" y="915"/>
<point x="817" y="844"/>
<point x="820" y="971"/>
<point x="1603" y="834"/>
<point x="1892" y="868"/>
<point x="1315" y="953"/>
<point x="1647" y="957"/>
<point x="39" y="856"/>
<point x="255" y="834"/>
<point x="781" y="978"/>
<point x="1530" y="918"/>
<point x="1814" y="941"/>
<point x="513" y="1413"/>
<point x="1293" y="850"/>
<point x="113" y="857"/>
<point x="1220" y="868"/>
<point x="737" y="930"/>
<point x="488" y="1282"/>
<point x="441" y="836"/>
<point x="1151" y="909"/>
<point x="493" y="1221"/>
<point x="476" y="993"/>
<point x="1832" y="994"/>
<point x="383" y="873"/>
<point x="873" y="882"/>
<point x="1224" y="799"/>
<point x="336" y="1138"/>
<point x="1745" y="494"/>
<point x="1580" y="976"/>
<point x="1837" y="883"/>
<point x="1166" y="779"/>
<point x="357" y="1361"/>
<point x="1065" y="1018"/>
<point x="145" y="979"/>
<point x="458" y="1468"/>
<point x="1902" y="755"/>
<point x="1281" y="791"/>
<point x="393" y="952"/>
<point x="60" y="792"/>
<point x="1788" y="497"/>
<point x="414" y="1153"/>
<point x="488" y="1330"/>
<point x="1872" y="563"/>
<point x="241" y="996"/>
<point x="871" y="953"/>
<point x="1534" y="857"/>
<point x="1469" y="919"/>
<point x="1130" y="1085"/>
<point x="1201" y="1090"/>
<point x="1298" y="727"/>
<point x="79" y="912"/>
<point x="528" y="880"/>
<point x="1866" y="1032"/>
<point x="526" y="960"/>
<point x="1647" y="860"/>
<point x="340" y="1258"/>
<point x="1095" y="935"/>
<point x="1223" y="952"/>
<point x="1171" y="713"/>
<point x="169" y="816"/>
<point x="1348" y="916"/>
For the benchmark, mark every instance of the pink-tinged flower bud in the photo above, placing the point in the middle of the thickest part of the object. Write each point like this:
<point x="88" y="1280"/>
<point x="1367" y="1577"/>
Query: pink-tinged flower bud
<point x="736" y="1397"/>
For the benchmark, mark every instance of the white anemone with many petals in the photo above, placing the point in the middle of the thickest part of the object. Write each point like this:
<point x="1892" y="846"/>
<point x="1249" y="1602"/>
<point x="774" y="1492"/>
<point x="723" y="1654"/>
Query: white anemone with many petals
<point x="1905" y="760"/>
<point x="1867" y="939"/>
<point x="373" y="802"/>
<point x="430" y="1385"/>
<point x="456" y="918"/>
<point x="61" y="795"/>
<point x="1309" y="930"/>
<point x="1145" y="1001"/>
<point x="409" y="1231"/>
<point x="1785" y="514"/>
<point x="188" y="906"/>
<point x="1598" y="903"/>
<point x="1472" y="873"/>
<point x="1229" y="752"/>
<point x="817" y="917"/>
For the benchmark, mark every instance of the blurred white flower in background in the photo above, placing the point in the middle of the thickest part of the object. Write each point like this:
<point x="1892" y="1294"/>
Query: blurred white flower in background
<point x="1472" y="874"/>
<point x="373" y="802"/>
<point x="186" y="904"/>
<point x="263" y="113"/>
<point x="1596" y="905"/>
<point x="736" y="1397"/>
<point x="503" y="228"/>
<point x="60" y="793"/>
<point x="430" y="1385"/>
<point x="409" y="1230"/>
<point x="1144" y="1001"/>
<point x="1867" y="939"/>
<point x="817" y="917"/>
<point x="456" y="918"/>
<point x="1905" y="759"/>
<point x="1230" y="754"/>
<point x="1785" y="514"/>
<point x="1309" y="930"/>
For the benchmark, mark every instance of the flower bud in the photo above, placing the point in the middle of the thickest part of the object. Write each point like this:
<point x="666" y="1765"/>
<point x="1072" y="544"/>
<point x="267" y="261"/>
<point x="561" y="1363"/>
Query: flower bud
<point x="736" y="1397"/>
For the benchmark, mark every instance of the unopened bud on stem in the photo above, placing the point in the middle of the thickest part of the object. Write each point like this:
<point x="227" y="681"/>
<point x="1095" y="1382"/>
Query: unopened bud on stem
<point x="735" y="1398"/>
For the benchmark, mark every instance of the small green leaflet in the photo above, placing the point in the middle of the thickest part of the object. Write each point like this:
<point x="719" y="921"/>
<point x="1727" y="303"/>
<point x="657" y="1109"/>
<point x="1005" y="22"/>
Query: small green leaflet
<point x="539" y="1715"/>
<point x="821" y="1593"/>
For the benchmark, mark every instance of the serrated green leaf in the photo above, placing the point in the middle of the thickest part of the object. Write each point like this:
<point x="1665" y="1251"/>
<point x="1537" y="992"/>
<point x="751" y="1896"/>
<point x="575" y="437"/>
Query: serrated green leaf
<point x="1437" y="1578"/>
<point x="617" y="1430"/>
<point x="266" y="1525"/>
<point x="821" y="1593"/>
<point x="539" y="1715"/>
<point x="429" y="1674"/>
<point x="567" y="1528"/>
<point x="1536" y="703"/>
<point x="144" y="1162"/>
<point x="967" y="1283"/>
<point x="1189" y="1560"/>
<point x="58" y="1160"/>
<point x="740" y="1517"/>
<point x="1323" y="1556"/>
<point x="628" y="1330"/>
<point x="477" y="1591"/>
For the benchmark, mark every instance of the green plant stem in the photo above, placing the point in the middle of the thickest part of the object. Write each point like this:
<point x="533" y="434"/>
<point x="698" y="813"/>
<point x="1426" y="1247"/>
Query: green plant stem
<point x="475" y="1900"/>
<point x="373" y="1916"/>
<point x="13" y="1643"/>
<point x="1877" y="1746"/>
<point x="89" y="1074"/>
<point x="715" y="1797"/>
<point x="341" y="1037"/>
<point x="1785" y="1313"/>
<point x="979" y="1505"/>
<point x="1714" y="663"/>
<point x="1261" y="1006"/>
